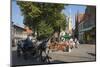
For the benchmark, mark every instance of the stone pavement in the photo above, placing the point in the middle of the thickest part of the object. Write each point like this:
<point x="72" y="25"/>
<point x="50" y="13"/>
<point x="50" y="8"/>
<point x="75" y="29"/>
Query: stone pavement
<point x="85" y="52"/>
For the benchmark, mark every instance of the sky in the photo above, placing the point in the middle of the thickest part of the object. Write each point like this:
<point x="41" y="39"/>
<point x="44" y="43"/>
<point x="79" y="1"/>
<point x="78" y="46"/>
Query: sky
<point x="17" y="17"/>
<point x="72" y="10"/>
<point x="69" y="10"/>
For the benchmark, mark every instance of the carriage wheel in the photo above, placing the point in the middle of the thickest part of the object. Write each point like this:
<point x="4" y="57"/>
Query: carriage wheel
<point x="25" y="56"/>
<point x="18" y="53"/>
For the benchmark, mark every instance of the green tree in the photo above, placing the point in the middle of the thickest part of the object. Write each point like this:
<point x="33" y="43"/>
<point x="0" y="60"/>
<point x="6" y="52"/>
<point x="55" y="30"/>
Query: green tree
<point x="43" y="18"/>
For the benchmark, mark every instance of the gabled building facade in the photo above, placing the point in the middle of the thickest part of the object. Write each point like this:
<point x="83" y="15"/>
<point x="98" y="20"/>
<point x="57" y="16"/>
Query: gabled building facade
<point x="87" y="26"/>
<point x="19" y="33"/>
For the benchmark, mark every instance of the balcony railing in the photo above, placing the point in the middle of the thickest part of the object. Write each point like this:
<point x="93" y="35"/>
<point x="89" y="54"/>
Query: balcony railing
<point x="20" y="36"/>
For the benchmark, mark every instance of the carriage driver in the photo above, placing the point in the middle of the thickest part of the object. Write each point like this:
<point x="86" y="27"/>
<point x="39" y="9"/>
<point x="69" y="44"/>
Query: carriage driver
<point x="28" y="42"/>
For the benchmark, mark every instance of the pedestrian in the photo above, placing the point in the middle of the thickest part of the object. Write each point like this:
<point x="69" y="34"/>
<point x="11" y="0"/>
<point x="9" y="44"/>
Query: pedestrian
<point x="76" y="43"/>
<point x="19" y="48"/>
<point x="71" y="43"/>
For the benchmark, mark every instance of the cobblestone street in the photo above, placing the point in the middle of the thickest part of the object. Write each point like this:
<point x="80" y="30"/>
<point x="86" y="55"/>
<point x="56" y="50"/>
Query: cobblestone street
<point x="85" y="52"/>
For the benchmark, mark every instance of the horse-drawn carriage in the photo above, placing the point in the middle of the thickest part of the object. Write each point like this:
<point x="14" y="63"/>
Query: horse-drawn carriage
<point x="23" y="50"/>
<point x="35" y="50"/>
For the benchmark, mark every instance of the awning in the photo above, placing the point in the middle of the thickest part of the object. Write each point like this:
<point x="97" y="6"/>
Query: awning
<point x="86" y="29"/>
<point x="66" y="36"/>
